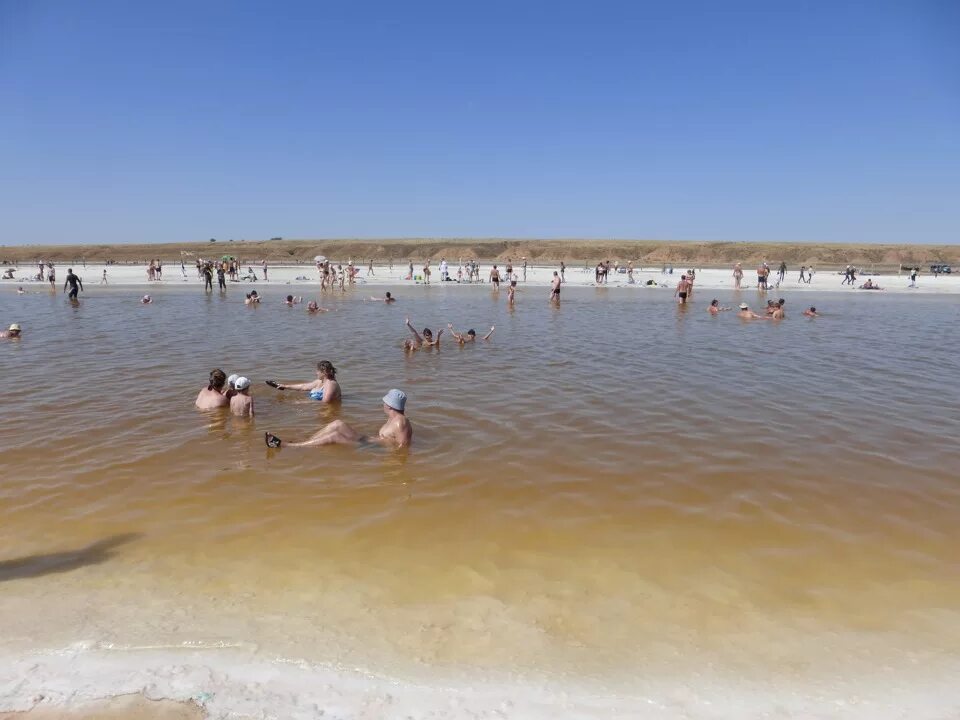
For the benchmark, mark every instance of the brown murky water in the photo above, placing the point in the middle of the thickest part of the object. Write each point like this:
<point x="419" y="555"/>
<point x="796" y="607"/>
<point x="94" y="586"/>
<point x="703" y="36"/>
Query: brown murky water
<point x="610" y="490"/>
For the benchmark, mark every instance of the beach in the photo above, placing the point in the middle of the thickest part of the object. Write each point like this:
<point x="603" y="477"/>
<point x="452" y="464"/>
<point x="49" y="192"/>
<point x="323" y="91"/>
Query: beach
<point x="614" y="508"/>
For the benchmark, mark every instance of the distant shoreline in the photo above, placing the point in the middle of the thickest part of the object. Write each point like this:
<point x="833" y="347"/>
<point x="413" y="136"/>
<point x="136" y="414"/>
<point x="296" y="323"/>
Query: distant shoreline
<point x="574" y="252"/>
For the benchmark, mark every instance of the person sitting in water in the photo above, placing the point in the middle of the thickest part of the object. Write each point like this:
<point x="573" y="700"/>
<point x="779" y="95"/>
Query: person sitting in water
<point x="771" y="307"/>
<point x="396" y="431"/>
<point x="470" y="336"/>
<point x="811" y="312"/>
<point x="715" y="307"/>
<point x="21" y="291"/>
<point x="11" y="332"/>
<point x="778" y="312"/>
<point x="388" y="299"/>
<point x="325" y="388"/>
<point x="252" y="298"/>
<point x="241" y="403"/>
<point x="418" y="341"/>
<point x="313" y="307"/>
<point x="292" y="300"/>
<point x="146" y="300"/>
<point x="212" y="397"/>
<point x="747" y="314"/>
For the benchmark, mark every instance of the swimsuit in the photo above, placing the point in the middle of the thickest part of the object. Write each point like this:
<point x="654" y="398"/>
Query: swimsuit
<point x="316" y="394"/>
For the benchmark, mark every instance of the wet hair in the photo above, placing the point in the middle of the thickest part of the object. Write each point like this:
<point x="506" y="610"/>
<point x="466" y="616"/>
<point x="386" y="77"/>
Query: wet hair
<point x="714" y="302"/>
<point x="217" y="379"/>
<point x="471" y="331"/>
<point x="812" y="309"/>
<point x="427" y="332"/>
<point x="781" y="302"/>
<point x="289" y="298"/>
<point x="388" y="293"/>
<point x="248" y="296"/>
<point x="327" y="368"/>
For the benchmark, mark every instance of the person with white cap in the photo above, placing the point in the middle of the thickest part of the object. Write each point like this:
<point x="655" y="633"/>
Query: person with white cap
<point x="396" y="431"/>
<point x="11" y="332"/>
<point x="747" y="314"/>
<point x="241" y="403"/>
<point x="146" y="300"/>
<point x="230" y="390"/>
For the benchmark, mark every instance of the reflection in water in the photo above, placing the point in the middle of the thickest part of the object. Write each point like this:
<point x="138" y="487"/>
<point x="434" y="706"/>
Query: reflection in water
<point x="608" y="488"/>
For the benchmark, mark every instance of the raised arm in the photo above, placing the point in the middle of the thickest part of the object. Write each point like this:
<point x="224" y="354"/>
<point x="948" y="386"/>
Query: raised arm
<point x="413" y="330"/>
<point x="487" y="336"/>
<point x="456" y="336"/>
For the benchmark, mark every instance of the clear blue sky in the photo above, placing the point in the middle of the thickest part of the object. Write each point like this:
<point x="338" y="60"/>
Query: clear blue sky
<point x="171" y="121"/>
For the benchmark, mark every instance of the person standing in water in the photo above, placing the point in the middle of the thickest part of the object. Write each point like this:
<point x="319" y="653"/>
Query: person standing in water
<point x="325" y="388"/>
<point x="563" y="271"/>
<point x="683" y="288"/>
<point x="396" y="432"/>
<point x="211" y="397"/>
<point x="74" y="283"/>
<point x="555" y="288"/>
<point x="495" y="278"/>
<point x="737" y="275"/>
<point x="265" y="271"/>
<point x="241" y="403"/>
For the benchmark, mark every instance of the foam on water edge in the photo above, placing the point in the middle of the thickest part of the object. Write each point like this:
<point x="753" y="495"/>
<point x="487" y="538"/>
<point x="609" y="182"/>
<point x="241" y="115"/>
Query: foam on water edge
<point x="232" y="681"/>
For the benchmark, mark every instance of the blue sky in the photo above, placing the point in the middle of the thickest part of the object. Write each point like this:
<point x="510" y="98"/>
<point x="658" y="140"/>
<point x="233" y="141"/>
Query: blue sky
<point x="175" y="121"/>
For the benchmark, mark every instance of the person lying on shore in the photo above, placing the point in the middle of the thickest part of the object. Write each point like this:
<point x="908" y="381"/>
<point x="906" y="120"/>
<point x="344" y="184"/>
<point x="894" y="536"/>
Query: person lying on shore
<point x="811" y="312"/>
<point x="325" y="388"/>
<point x="212" y="397"/>
<point x="747" y="314"/>
<point x="11" y="332"/>
<point x="396" y="432"/>
<point x="241" y="403"/>
<point x="470" y="336"/>
<point x="388" y="299"/>
<point x="419" y="341"/>
<point x="715" y="307"/>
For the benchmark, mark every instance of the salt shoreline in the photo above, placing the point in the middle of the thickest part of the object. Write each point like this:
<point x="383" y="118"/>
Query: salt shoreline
<point x="305" y="277"/>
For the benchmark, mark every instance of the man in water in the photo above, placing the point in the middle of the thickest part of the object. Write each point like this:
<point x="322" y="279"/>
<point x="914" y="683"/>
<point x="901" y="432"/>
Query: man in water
<point x="495" y="278"/>
<point x="555" y="288"/>
<point x="778" y="313"/>
<point x="682" y="288"/>
<point x="146" y="300"/>
<point x="212" y="397"/>
<point x="388" y="299"/>
<point x="419" y="341"/>
<point x="241" y="403"/>
<point x="715" y="307"/>
<point x="221" y="278"/>
<point x="11" y="332"/>
<point x="73" y="282"/>
<point x="207" y="274"/>
<point x="325" y="388"/>
<point x="471" y="335"/>
<point x="747" y="314"/>
<point x="396" y="432"/>
<point x="811" y="312"/>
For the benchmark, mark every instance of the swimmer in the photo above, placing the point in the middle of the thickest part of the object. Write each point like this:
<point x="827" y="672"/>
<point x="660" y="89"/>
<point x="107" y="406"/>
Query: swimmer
<point x="388" y="299"/>
<point x="212" y="397"/>
<point x="313" y="307"/>
<point x="811" y="312"/>
<point x="418" y="341"/>
<point x="715" y="307"/>
<point x="21" y="291"/>
<point x="325" y="388"/>
<point x="252" y="298"/>
<point x="396" y="431"/>
<point x="470" y="336"/>
<point x="241" y="403"/>
<point x="291" y="300"/>
<point x="747" y="314"/>
<point x="11" y="332"/>
<point x="778" y="313"/>
<point x="146" y="300"/>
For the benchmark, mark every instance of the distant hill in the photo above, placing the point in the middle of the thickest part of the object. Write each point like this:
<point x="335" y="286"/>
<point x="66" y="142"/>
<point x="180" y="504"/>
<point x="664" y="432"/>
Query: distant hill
<point x="572" y="251"/>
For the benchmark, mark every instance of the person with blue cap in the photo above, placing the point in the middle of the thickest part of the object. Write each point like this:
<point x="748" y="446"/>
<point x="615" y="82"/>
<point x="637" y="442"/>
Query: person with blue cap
<point x="396" y="431"/>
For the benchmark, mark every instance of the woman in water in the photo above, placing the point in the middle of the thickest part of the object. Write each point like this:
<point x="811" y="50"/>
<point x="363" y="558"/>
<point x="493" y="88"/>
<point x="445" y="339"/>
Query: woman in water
<point x="325" y="388"/>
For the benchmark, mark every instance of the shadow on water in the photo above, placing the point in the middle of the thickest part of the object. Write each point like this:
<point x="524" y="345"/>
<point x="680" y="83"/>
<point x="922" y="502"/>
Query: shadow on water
<point x="39" y="565"/>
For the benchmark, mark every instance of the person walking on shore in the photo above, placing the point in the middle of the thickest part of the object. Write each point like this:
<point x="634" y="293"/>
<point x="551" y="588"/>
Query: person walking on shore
<point x="803" y="271"/>
<point x="737" y="275"/>
<point x="781" y="271"/>
<point x="370" y="268"/>
<point x="524" y="269"/>
<point x="563" y="272"/>
<point x="103" y="280"/>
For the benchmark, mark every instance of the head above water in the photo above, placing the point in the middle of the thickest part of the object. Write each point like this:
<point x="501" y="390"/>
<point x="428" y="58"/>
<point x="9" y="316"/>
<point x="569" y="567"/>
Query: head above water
<point x="389" y="295"/>
<point x="427" y="333"/>
<point x="714" y="302"/>
<point x="744" y="306"/>
<point x="395" y="400"/>
<point x="289" y="298"/>
<point x="326" y="368"/>
<point x="471" y="332"/>
<point x="217" y="379"/>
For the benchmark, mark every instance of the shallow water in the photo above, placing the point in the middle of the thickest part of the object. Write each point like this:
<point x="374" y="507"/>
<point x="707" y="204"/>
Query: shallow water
<point x="610" y="491"/>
